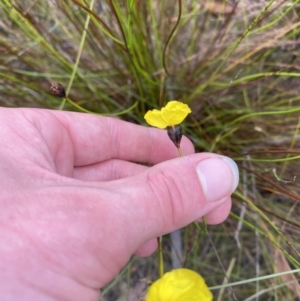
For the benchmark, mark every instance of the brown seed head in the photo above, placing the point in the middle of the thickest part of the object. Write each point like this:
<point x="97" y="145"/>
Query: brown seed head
<point x="58" y="90"/>
<point x="175" y="134"/>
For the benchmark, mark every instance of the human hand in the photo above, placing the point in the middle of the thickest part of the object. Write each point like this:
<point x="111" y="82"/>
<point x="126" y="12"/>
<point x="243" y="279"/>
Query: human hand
<point x="74" y="206"/>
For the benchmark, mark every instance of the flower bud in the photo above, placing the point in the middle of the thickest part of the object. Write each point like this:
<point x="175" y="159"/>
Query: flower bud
<point x="175" y="134"/>
<point x="58" y="90"/>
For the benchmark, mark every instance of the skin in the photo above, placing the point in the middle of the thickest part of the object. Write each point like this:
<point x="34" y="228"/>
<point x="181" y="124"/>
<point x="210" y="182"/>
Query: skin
<point x="77" y="200"/>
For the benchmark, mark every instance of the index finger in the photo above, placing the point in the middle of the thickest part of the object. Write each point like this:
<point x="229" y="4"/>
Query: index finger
<point x="97" y="138"/>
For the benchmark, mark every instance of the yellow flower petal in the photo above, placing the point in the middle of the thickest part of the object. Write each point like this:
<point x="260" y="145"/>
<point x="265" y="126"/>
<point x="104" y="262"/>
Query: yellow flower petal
<point x="154" y="118"/>
<point x="172" y="114"/>
<point x="175" y="112"/>
<point x="179" y="285"/>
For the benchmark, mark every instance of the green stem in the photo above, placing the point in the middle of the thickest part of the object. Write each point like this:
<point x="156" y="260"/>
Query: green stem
<point x="170" y="37"/>
<point x="160" y="257"/>
<point x="180" y="152"/>
<point x="86" y="25"/>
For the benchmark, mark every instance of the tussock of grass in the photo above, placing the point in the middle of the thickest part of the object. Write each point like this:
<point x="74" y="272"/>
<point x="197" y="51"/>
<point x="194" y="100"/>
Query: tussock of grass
<point x="237" y="65"/>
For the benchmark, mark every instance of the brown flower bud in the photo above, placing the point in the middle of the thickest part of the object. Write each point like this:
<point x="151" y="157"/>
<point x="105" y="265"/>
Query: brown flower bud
<point x="175" y="134"/>
<point x="58" y="90"/>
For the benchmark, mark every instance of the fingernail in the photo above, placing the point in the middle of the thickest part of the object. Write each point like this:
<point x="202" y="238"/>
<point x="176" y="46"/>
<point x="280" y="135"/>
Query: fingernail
<point x="219" y="177"/>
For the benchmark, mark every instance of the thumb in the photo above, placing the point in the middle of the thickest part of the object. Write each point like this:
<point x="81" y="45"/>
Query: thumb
<point x="174" y="193"/>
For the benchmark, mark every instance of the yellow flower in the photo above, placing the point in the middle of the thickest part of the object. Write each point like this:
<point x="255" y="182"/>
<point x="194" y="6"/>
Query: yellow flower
<point x="179" y="285"/>
<point x="172" y="114"/>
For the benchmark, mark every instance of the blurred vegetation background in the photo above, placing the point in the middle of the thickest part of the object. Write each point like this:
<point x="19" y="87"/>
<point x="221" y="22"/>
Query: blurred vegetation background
<point x="236" y="63"/>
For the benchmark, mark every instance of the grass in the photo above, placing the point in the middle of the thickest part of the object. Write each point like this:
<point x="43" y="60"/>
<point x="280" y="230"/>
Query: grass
<point x="236" y="63"/>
